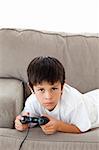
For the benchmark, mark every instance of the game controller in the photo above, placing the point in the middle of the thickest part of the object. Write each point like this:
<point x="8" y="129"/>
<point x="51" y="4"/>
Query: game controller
<point x="39" y="120"/>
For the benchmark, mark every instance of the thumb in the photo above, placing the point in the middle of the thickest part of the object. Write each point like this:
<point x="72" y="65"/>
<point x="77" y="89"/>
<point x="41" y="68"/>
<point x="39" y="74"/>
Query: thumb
<point x="18" y="117"/>
<point x="45" y="115"/>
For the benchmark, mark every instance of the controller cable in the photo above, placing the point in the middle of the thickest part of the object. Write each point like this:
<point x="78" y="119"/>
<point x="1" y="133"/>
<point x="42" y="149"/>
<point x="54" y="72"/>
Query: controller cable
<point x="41" y="121"/>
<point x="26" y="135"/>
<point x="24" y="138"/>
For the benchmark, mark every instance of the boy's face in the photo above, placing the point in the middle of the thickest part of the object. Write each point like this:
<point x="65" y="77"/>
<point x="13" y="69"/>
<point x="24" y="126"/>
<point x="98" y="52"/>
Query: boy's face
<point x="48" y="94"/>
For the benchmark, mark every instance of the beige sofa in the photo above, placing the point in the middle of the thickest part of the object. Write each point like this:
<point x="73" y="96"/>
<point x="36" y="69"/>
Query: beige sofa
<point x="80" y="57"/>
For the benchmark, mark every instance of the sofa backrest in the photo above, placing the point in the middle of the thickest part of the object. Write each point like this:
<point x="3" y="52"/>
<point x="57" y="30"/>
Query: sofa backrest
<point x="78" y="53"/>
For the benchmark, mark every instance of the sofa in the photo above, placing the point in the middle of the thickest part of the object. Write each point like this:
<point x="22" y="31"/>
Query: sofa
<point x="79" y="54"/>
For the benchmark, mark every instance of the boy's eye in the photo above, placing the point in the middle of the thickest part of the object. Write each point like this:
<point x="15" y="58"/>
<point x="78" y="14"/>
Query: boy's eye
<point x="54" y="88"/>
<point x="41" y="90"/>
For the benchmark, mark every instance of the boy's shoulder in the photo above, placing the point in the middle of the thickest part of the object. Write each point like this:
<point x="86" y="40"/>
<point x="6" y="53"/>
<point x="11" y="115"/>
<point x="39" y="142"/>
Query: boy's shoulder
<point x="69" y="89"/>
<point x="71" y="96"/>
<point x="31" y="98"/>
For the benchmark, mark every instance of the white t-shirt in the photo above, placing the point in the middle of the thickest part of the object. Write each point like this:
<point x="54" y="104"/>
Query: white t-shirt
<point x="75" y="108"/>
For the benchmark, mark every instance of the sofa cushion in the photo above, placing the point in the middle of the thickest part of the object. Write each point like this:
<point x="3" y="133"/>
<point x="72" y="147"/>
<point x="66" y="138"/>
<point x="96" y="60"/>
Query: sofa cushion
<point x="37" y="140"/>
<point x="11" y="97"/>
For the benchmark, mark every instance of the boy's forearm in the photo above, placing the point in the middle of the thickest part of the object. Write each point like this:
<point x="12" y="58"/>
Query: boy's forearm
<point x="69" y="128"/>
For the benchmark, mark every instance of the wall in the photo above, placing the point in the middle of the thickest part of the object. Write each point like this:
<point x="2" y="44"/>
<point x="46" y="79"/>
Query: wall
<point x="54" y="15"/>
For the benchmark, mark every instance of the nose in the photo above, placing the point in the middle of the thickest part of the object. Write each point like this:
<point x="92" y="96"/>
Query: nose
<point x="48" y="95"/>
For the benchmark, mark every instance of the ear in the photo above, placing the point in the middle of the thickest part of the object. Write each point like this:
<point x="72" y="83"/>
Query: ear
<point x="30" y="88"/>
<point x="62" y="89"/>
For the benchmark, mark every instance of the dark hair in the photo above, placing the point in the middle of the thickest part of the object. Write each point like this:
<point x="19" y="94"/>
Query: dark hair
<point x="45" y="69"/>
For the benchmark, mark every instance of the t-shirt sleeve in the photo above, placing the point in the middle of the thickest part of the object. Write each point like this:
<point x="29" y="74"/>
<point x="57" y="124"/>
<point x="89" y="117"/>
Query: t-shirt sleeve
<point x="79" y="117"/>
<point x="30" y="106"/>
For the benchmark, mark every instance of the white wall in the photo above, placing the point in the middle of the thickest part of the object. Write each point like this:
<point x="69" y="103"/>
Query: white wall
<point x="53" y="15"/>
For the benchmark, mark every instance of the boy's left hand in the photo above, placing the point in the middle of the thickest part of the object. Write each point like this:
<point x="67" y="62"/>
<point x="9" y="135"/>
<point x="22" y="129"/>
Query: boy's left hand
<point x="52" y="126"/>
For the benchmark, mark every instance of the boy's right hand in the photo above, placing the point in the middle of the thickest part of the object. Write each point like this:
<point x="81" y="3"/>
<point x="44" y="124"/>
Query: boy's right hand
<point x="18" y="125"/>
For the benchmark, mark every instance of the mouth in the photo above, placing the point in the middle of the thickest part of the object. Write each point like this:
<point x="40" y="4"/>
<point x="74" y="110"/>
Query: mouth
<point x="49" y="104"/>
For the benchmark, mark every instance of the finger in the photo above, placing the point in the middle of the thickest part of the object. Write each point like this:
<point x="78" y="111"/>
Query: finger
<point x="18" y="117"/>
<point x="19" y="128"/>
<point x="17" y="122"/>
<point x="25" y="113"/>
<point x="48" y="131"/>
<point x="47" y="125"/>
<point x="45" y="115"/>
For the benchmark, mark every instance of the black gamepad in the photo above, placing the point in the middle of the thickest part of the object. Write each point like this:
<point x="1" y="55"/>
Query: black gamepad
<point x="39" y="120"/>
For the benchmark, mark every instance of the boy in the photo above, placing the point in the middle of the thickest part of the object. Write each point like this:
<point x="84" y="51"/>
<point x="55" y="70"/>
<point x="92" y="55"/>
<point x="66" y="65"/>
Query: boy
<point x="67" y="109"/>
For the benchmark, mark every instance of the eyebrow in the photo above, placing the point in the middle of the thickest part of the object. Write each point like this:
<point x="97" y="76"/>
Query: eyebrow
<point x="42" y="86"/>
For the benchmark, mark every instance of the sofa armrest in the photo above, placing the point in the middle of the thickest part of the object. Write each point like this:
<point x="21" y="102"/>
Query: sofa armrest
<point x="11" y="101"/>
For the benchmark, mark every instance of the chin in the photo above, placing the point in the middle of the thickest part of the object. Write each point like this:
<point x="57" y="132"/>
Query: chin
<point x="51" y="108"/>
